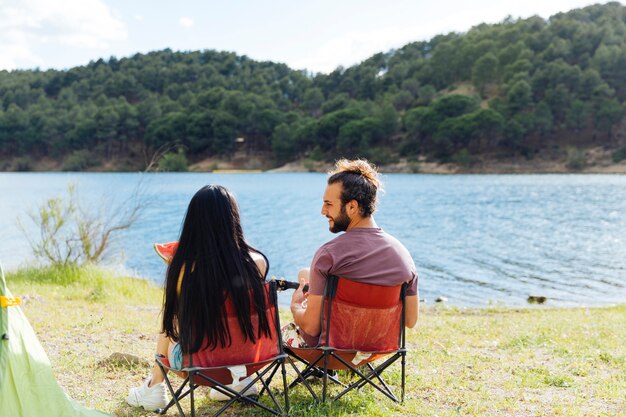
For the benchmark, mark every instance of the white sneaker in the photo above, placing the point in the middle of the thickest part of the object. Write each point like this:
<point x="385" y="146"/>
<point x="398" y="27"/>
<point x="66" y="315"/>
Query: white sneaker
<point x="151" y="398"/>
<point x="215" y="395"/>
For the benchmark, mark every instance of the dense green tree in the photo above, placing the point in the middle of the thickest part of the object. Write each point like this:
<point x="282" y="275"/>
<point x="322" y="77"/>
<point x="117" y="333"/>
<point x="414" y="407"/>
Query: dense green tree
<point x="543" y="120"/>
<point x="224" y="132"/>
<point x="519" y="96"/>
<point x="578" y="115"/>
<point x="538" y="82"/>
<point x="484" y="71"/>
<point x="402" y="100"/>
<point x="356" y="136"/>
<point x="608" y="113"/>
<point x="329" y="125"/>
<point x="426" y="94"/>
<point x="421" y="121"/>
<point x="13" y="127"/>
<point x="313" y="100"/>
<point x="455" y="105"/>
<point x="337" y="102"/>
<point x="284" y="143"/>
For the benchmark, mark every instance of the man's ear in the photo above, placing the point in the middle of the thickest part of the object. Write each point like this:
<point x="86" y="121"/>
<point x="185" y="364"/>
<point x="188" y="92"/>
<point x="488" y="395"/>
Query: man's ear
<point x="353" y="207"/>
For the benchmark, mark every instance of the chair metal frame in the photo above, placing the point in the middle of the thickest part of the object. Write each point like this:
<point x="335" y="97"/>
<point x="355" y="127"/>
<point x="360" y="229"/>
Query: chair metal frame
<point x="196" y="376"/>
<point x="329" y="357"/>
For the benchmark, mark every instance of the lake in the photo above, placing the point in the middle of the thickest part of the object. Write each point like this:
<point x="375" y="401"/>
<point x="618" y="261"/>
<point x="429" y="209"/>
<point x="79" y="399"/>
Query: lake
<point x="478" y="240"/>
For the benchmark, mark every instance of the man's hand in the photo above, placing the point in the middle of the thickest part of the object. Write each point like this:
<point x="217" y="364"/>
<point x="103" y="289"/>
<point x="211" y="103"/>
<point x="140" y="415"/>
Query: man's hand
<point x="299" y="296"/>
<point x="306" y="309"/>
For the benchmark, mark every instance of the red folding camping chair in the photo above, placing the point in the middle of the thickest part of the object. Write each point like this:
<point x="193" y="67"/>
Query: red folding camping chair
<point x="219" y="367"/>
<point x="361" y="323"/>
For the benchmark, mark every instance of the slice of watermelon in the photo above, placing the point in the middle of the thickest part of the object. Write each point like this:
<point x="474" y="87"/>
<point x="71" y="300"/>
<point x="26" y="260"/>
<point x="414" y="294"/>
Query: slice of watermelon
<point x="166" y="250"/>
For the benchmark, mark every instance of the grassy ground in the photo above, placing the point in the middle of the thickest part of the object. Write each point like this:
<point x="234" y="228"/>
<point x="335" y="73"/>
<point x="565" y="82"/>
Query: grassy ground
<point x="462" y="362"/>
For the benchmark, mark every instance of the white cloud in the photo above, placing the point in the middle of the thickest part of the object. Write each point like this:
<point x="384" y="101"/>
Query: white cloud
<point x="14" y="50"/>
<point x="29" y="26"/>
<point x="353" y="47"/>
<point x="186" y="22"/>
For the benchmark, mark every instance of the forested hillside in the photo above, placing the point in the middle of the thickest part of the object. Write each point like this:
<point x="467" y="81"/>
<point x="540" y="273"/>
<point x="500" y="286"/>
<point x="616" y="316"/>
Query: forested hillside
<point x="518" y="88"/>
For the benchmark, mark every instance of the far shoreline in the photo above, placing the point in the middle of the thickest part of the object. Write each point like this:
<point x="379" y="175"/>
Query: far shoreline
<point x="402" y="166"/>
<point x="596" y="161"/>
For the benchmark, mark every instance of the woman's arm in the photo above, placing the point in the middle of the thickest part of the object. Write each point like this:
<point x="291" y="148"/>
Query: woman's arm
<point x="259" y="260"/>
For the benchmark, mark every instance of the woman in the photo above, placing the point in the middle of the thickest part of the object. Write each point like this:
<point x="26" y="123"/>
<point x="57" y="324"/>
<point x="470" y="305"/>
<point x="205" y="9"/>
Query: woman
<point x="212" y="262"/>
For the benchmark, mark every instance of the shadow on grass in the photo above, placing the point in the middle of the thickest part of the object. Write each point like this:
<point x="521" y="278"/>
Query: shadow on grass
<point x="301" y="405"/>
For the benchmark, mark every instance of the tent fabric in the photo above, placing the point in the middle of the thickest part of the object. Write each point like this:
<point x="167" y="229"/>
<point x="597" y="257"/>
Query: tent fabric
<point x="28" y="387"/>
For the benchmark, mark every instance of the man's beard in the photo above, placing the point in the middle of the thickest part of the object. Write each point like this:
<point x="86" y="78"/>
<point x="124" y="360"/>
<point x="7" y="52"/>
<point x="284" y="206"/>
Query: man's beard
<point x="341" y="222"/>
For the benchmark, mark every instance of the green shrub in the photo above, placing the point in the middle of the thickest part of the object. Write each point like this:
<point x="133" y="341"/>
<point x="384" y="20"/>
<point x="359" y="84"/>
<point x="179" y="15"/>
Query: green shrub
<point x="619" y="155"/>
<point x="316" y="154"/>
<point x="380" y="155"/>
<point x="558" y="381"/>
<point x="576" y="159"/>
<point x="174" y="162"/>
<point x="87" y="282"/>
<point x="56" y="274"/>
<point x="79" y="161"/>
<point x="463" y="158"/>
<point x="23" y="164"/>
<point x="70" y="235"/>
<point x="309" y="165"/>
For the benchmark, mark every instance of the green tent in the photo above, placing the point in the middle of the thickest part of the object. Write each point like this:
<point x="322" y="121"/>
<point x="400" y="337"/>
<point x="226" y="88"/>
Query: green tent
<point x="27" y="386"/>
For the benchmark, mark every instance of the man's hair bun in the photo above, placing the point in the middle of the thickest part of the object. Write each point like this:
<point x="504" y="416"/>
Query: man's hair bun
<point x="361" y="167"/>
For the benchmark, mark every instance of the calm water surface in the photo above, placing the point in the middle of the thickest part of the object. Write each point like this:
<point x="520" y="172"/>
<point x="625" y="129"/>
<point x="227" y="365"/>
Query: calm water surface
<point x="476" y="239"/>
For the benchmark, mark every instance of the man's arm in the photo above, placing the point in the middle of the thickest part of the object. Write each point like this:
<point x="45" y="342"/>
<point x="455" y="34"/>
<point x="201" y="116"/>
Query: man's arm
<point x="412" y="304"/>
<point x="308" y="318"/>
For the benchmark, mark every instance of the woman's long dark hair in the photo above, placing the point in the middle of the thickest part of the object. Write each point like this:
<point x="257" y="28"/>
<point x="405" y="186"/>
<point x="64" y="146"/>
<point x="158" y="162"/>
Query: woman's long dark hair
<point x="217" y="264"/>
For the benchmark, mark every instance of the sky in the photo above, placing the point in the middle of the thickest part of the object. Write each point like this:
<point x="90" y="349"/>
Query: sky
<point x="317" y="36"/>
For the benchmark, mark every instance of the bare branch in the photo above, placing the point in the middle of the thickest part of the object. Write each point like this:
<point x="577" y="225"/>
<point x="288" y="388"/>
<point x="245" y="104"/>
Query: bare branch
<point x="70" y="234"/>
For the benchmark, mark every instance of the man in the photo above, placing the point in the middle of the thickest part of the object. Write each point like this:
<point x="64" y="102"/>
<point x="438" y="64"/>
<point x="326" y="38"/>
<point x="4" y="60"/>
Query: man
<point x="363" y="253"/>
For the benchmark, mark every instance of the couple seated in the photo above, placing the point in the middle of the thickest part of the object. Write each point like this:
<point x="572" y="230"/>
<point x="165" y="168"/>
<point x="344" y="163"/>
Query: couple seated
<point x="216" y="299"/>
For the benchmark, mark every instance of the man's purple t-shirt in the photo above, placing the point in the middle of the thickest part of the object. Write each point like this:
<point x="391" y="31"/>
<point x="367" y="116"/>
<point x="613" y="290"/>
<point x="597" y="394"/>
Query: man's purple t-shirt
<point x="363" y="254"/>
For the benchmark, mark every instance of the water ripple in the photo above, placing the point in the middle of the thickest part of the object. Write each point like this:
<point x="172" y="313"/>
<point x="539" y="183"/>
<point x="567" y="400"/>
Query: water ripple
<point x="476" y="239"/>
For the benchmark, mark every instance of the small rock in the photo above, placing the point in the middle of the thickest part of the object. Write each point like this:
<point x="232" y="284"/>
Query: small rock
<point x="441" y="299"/>
<point x="537" y="299"/>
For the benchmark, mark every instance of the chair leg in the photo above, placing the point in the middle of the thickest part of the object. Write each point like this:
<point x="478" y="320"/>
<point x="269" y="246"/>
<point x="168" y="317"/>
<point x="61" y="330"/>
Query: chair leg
<point x="305" y="374"/>
<point x="191" y="395"/>
<point x="403" y="361"/>
<point x="237" y="396"/>
<point x="366" y="378"/>
<point x="267" y="381"/>
<point x="285" y="388"/>
<point x="380" y="379"/>
<point x="302" y="379"/>
<point x="175" y="395"/>
<point x="325" y="376"/>
<point x="333" y="377"/>
<point x="266" y="385"/>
